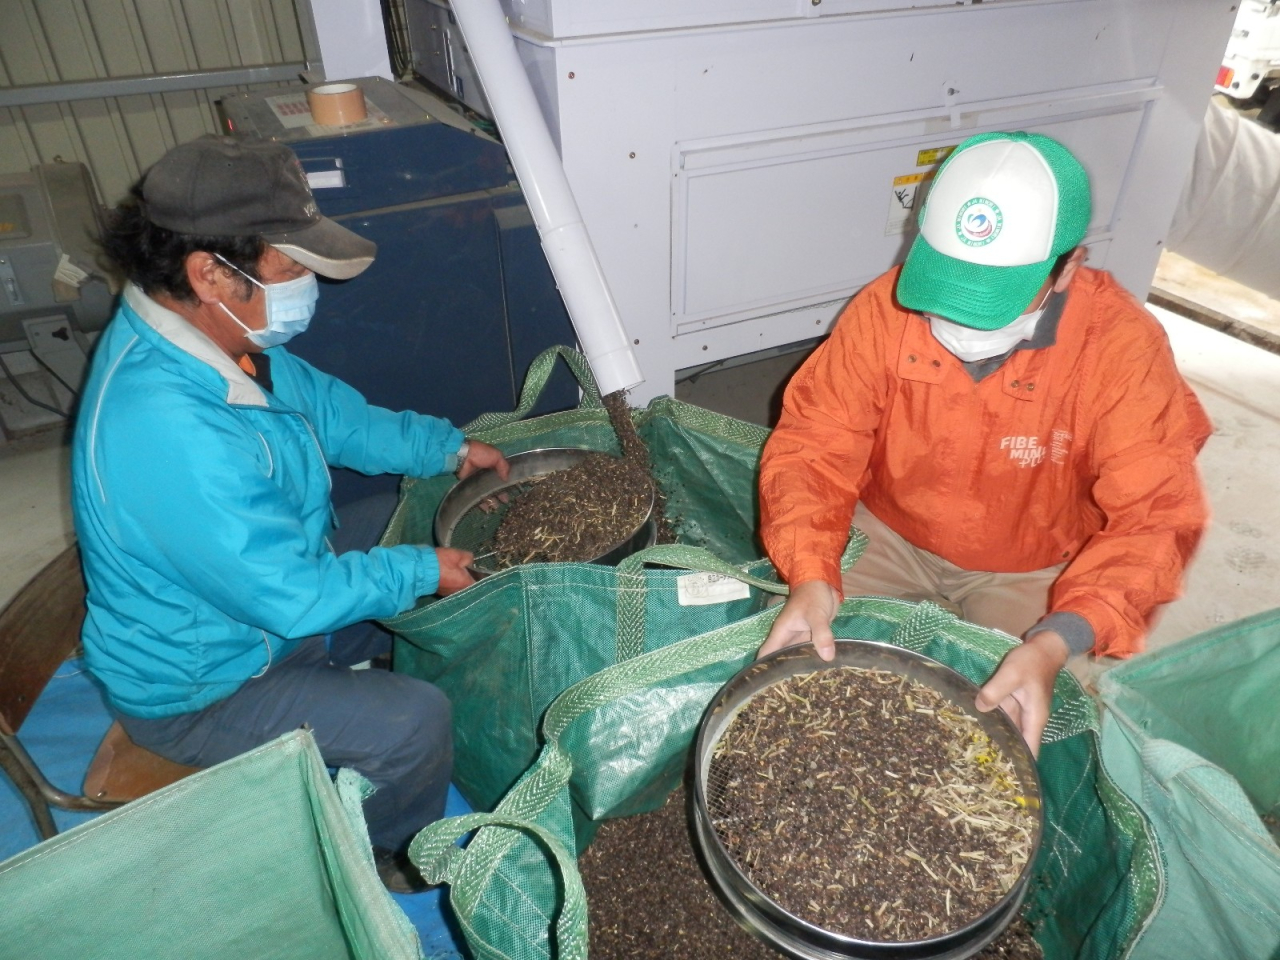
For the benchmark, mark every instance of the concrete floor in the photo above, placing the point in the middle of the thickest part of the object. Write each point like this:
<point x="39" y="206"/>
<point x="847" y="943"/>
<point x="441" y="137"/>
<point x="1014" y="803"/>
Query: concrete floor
<point x="35" y="506"/>
<point x="1234" y="575"/>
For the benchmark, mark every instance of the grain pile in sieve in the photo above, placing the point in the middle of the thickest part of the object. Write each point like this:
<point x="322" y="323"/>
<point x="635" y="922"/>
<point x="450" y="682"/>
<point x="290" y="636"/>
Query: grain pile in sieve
<point x="580" y="513"/>
<point x="869" y="805"/>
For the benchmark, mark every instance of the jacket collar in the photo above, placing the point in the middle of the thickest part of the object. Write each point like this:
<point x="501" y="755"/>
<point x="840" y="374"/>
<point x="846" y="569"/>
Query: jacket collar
<point x="241" y="389"/>
<point x="923" y="359"/>
<point x="1044" y="335"/>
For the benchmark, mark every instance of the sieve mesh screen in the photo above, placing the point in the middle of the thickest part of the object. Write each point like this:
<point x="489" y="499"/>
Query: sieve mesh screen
<point x="474" y="530"/>
<point x="721" y="786"/>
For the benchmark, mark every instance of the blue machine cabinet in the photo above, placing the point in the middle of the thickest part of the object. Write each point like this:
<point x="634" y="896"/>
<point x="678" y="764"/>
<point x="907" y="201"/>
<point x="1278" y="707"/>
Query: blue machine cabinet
<point x="460" y="298"/>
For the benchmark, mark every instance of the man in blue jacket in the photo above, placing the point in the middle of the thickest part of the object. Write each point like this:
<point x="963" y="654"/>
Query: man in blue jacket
<point x="224" y="608"/>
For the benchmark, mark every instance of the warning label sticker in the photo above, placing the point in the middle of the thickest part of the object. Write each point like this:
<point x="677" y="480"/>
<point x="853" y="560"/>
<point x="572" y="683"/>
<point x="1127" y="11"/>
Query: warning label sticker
<point x="904" y="200"/>
<point x="927" y="158"/>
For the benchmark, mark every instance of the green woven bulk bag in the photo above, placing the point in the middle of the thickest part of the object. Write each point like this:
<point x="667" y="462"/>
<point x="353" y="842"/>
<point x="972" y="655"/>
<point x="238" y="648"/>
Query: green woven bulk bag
<point x="626" y="732"/>
<point x="260" y="856"/>
<point x="505" y="648"/>
<point x="1192" y="734"/>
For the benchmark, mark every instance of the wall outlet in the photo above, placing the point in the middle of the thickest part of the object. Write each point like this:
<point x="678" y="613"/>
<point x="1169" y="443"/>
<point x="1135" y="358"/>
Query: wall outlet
<point x="50" y="333"/>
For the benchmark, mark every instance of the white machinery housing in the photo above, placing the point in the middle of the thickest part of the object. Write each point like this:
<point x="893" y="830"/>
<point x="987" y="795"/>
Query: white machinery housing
<point x="744" y="166"/>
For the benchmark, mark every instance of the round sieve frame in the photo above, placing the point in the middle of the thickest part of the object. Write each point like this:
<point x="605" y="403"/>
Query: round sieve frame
<point x="763" y="917"/>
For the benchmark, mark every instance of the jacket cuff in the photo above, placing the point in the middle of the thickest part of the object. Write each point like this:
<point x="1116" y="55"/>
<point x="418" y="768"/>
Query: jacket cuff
<point x="453" y="444"/>
<point x="1071" y="627"/>
<point x="816" y="570"/>
<point x="428" y="576"/>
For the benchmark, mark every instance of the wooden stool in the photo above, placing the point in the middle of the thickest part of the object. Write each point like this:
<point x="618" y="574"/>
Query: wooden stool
<point x="39" y="630"/>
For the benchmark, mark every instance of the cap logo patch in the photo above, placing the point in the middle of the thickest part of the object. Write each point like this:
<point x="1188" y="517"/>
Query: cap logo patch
<point x="978" y="222"/>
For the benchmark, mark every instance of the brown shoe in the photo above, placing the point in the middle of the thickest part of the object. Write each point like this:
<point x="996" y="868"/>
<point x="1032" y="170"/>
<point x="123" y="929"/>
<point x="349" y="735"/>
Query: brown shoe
<point x="397" y="872"/>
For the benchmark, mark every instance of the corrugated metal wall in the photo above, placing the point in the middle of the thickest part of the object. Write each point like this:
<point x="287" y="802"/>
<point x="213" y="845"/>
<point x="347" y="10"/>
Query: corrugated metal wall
<point x="59" y="41"/>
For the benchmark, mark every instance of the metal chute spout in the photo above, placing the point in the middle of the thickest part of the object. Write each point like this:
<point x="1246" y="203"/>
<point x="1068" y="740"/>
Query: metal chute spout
<point x="538" y="167"/>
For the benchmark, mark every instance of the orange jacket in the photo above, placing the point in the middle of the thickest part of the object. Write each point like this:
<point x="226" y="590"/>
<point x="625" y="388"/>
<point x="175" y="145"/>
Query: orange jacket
<point x="1083" y="452"/>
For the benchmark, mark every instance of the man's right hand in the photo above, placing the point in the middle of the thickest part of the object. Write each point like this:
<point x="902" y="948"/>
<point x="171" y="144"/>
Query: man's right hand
<point x="454" y="574"/>
<point x="805" y="617"/>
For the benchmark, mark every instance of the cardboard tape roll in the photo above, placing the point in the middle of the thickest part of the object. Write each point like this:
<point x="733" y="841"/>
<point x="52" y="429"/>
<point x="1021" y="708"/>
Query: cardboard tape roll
<point x="336" y="104"/>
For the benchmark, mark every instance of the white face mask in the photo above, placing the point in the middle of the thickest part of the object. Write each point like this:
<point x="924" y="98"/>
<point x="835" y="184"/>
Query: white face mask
<point x="971" y="345"/>
<point x="290" y="307"/>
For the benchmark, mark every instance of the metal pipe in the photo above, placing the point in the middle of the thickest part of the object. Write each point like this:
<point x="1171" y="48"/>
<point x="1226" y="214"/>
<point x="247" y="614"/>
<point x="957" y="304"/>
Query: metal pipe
<point x="546" y="189"/>
<point x="38" y="791"/>
<point x="31" y="94"/>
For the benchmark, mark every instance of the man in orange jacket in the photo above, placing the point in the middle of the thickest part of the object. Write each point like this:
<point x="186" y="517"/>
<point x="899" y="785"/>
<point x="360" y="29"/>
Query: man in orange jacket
<point x="1008" y="424"/>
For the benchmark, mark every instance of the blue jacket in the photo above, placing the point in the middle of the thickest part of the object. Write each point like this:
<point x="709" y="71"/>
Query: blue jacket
<point x="202" y="509"/>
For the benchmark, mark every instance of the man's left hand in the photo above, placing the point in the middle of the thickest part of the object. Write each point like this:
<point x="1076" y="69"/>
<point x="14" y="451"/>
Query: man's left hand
<point x="1023" y="684"/>
<point x="454" y="572"/>
<point x="481" y="456"/>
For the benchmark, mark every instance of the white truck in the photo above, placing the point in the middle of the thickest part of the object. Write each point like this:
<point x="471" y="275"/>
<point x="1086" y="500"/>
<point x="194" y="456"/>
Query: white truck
<point x="1251" y="65"/>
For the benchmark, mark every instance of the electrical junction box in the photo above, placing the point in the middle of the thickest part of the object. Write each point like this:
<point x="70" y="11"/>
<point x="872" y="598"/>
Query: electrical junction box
<point x="53" y="296"/>
<point x="50" y="220"/>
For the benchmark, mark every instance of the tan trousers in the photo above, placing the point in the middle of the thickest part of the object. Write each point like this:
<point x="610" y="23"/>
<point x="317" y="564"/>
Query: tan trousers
<point x="892" y="567"/>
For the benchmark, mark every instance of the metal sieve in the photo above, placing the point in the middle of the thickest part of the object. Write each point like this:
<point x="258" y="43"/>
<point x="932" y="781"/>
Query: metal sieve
<point x="470" y="513"/>
<point x="759" y="914"/>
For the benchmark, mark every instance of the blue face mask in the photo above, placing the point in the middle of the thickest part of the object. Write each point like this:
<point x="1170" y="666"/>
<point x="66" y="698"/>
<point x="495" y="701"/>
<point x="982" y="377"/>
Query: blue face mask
<point x="290" y="307"/>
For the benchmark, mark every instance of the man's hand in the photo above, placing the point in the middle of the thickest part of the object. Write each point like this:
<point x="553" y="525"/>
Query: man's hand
<point x="1023" y="684"/>
<point x="806" y="616"/>
<point x="454" y="575"/>
<point x="481" y="456"/>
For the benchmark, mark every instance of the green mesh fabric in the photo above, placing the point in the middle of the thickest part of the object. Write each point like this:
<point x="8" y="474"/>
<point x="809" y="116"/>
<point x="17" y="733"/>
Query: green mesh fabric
<point x="1096" y="878"/>
<point x="257" y="857"/>
<point x="475" y="529"/>
<point x="1192" y="734"/>
<point x="970" y="294"/>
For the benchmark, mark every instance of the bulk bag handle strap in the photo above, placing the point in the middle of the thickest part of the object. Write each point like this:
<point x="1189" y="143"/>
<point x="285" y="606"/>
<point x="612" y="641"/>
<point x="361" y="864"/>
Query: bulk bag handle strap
<point x="632" y="588"/>
<point x="535" y="382"/>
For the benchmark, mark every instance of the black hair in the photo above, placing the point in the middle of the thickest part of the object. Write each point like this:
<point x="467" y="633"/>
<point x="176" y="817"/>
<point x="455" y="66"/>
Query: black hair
<point x="156" y="259"/>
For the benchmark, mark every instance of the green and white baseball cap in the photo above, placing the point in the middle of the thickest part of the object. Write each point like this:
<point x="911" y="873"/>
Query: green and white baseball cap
<point x="1003" y="207"/>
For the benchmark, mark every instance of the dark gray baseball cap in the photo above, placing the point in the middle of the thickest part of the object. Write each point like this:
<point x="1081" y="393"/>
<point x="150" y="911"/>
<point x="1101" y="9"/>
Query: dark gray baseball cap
<point x="237" y="186"/>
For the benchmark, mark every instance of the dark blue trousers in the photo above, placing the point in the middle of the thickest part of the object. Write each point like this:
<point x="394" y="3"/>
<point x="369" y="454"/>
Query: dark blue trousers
<point x="393" y="729"/>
